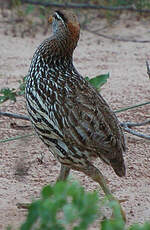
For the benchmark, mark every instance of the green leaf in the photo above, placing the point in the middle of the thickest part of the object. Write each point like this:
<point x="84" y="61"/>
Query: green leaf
<point x="7" y="94"/>
<point x="114" y="205"/>
<point x="32" y="216"/>
<point x="47" y="191"/>
<point x="112" y="225"/>
<point x="145" y="226"/>
<point x="98" y="81"/>
<point x="10" y="94"/>
<point x="70" y="213"/>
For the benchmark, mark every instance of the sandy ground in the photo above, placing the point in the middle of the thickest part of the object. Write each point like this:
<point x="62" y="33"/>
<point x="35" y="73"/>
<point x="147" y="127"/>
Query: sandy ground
<point x="22" y="175"/>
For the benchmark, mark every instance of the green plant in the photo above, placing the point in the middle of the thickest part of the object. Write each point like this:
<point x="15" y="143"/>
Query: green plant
<point x="115" y="223"/>
<point x="7" y="94"/>
<point x="11" y="94"/>
<point x="98" y="81"/>
<point x="145" y="226"/>
<point x="64" y="204"/>
<point x="118" y="224"/>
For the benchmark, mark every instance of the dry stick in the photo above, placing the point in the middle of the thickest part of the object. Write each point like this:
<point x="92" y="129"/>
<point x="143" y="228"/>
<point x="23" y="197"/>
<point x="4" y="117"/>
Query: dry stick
<point x="133" y="132"/>
<point x="86" y="6"/>
<point x="13" y="115"/>
<point x="131" y="107"/>
<point x="117" y="39"/>
<point x="131" y="124"/>
<point x="16" y="138"/>
<point x="127" y="127"/>
<point x="148" y="69"/>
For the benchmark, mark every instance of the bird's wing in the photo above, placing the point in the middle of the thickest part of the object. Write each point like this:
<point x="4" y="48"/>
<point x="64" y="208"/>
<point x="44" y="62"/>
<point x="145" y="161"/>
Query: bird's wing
<point x="87" y="120"/>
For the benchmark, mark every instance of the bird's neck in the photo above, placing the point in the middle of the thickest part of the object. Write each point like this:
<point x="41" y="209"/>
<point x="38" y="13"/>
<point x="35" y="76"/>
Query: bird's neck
<point x="58" y="48"/>
<point x="65" y="43"/>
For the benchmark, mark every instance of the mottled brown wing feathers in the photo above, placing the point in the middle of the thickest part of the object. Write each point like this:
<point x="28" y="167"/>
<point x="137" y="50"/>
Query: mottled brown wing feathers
<point x="89" y="120"/>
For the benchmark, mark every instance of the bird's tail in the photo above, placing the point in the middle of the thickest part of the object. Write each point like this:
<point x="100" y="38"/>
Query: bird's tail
<point x="119" y="166"/>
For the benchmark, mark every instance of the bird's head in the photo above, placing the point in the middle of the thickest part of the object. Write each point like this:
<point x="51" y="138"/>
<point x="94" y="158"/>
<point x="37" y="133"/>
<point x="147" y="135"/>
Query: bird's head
<point x="65" y="24"/>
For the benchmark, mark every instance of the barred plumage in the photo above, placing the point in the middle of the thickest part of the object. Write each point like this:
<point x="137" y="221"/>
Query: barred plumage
<point x="68" y="114"/>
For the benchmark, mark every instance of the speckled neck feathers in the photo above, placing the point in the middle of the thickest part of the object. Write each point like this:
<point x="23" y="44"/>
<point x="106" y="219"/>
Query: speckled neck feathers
<point x="61" y="44"/>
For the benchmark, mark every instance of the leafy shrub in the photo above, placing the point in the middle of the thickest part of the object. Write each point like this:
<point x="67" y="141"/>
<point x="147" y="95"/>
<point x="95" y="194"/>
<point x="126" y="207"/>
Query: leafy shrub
<point x="64" y="204"/>
<point x="11" y="94"/>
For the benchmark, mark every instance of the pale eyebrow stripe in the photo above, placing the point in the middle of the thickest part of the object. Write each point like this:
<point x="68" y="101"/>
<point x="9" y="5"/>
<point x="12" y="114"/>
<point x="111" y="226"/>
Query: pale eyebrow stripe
<point x="59" y="17"/>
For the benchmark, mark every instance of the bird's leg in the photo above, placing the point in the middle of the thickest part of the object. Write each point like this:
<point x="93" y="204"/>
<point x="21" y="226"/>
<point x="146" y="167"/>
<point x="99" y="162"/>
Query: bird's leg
<point x="98" y="177"/>
<point x="64" y="172"/>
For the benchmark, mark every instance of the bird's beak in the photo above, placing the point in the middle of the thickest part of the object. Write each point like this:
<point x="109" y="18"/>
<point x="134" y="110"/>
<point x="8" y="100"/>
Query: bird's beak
<point x="50" y="19"/>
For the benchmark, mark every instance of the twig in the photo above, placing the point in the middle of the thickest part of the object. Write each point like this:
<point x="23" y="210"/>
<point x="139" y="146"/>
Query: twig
<point x="16" y="138"/>
<point x="23" y="205"/>
<point x="15" y="126"/>
<point x="131" y="107"/>
<point x="86" y="6"/>
<point x="148" y="69"/>
<point x="127" y="127"/>
<point x="130" y="124"/>
<point x="135" y="133"/>
<point x="117" y="39"/>
<point x="13" y="115"/>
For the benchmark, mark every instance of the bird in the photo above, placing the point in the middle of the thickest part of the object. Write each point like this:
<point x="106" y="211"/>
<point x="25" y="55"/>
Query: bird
<point x="68" y="114"/>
